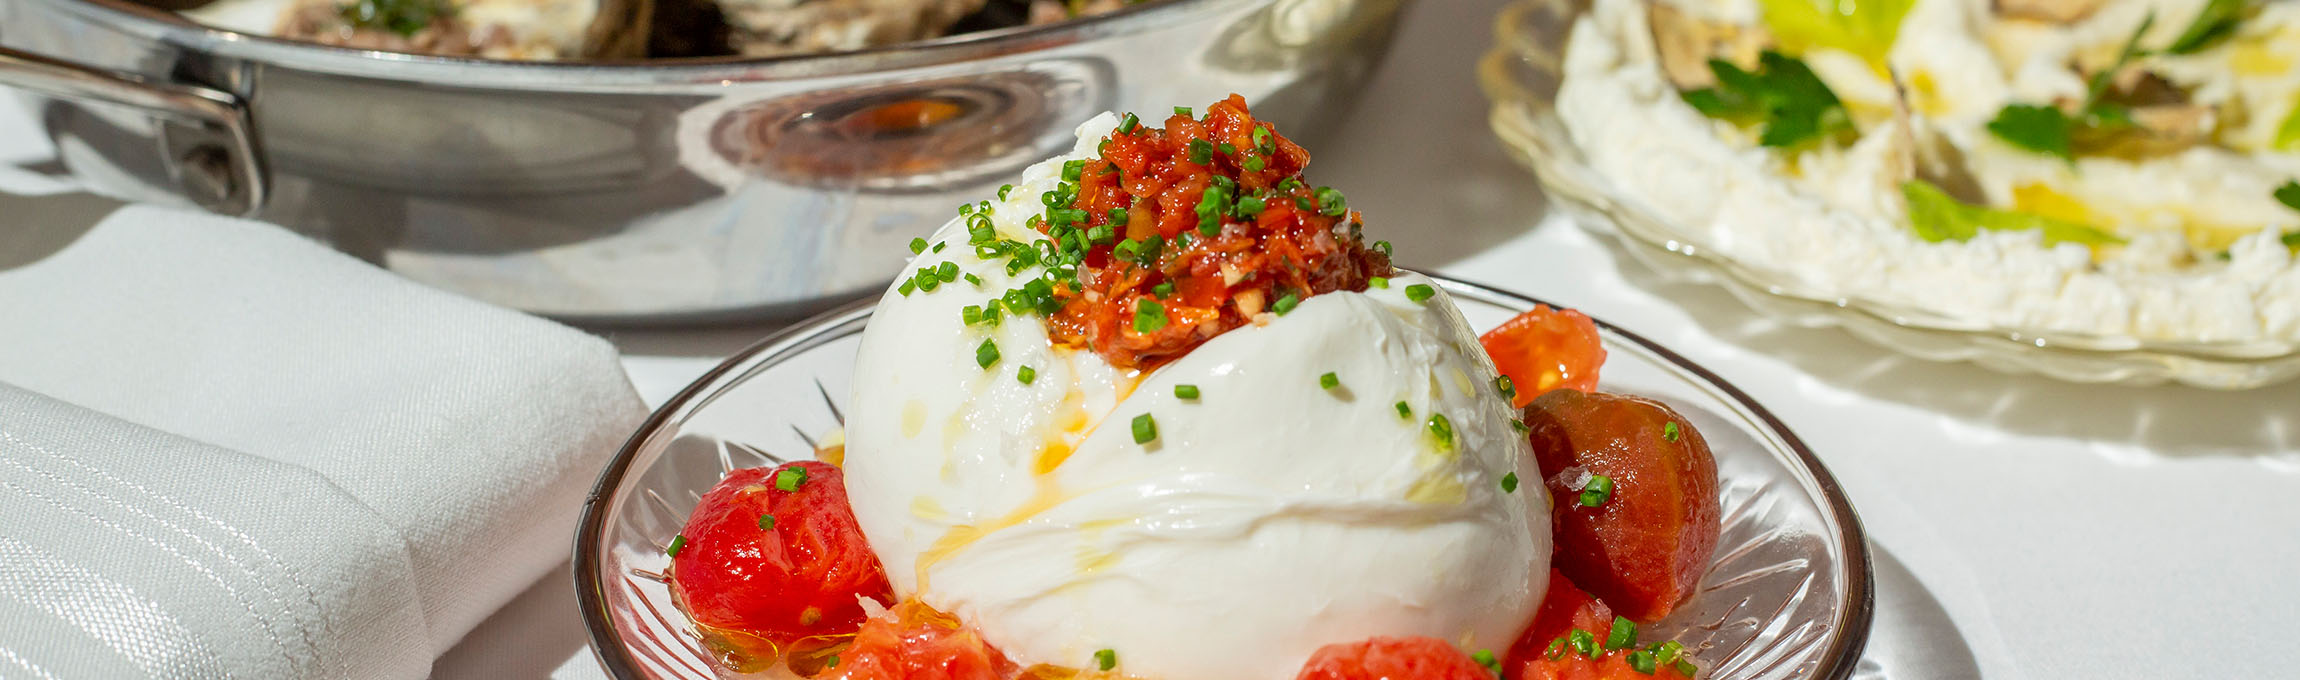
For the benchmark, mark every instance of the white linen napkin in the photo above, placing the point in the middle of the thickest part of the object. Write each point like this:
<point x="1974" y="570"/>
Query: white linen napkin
<point x="226" y="450"/>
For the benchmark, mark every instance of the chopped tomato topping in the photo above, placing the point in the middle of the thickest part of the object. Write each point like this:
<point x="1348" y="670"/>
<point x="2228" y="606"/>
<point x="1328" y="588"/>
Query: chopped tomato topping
<point x="1567" y="641"/>
<point x="915" y="642"/>
<point x="1388" y="658"/>
<point x="1193" y="229"/>
<point x="771" y="564"/>
<point x="1546" y="349"/>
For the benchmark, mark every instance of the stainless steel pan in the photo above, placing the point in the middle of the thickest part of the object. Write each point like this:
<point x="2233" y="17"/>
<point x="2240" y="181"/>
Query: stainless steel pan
<point x="642" y="191"/>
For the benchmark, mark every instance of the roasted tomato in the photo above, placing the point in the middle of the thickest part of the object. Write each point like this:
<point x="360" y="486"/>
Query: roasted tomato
<point x="1546" y="349"/>
<point x="1552" y="649"/>
<point x="1388" y="658"/>
<point x="1638" y="523"/>
<point x="915" y="642"/>
<point x="772" y="562"/>
<point x="1183" y="232"/>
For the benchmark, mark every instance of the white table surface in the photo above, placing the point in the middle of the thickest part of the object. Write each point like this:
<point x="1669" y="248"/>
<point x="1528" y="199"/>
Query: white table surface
<point x="2022" y="527"/>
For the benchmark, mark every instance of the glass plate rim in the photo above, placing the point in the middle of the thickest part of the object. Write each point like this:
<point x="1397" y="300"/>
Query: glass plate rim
<point x="1567" y="176"/>
<point x="1838" y="662"/>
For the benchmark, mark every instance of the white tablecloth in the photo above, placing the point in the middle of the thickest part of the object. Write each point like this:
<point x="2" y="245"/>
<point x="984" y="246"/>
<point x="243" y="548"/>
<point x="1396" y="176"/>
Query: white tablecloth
<point x="2022" y="527"/>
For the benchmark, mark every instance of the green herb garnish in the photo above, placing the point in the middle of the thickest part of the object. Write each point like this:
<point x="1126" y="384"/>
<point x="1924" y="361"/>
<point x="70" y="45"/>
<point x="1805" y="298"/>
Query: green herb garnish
<point x="1624" y="634"/>
<point x="404" y="17"/>
<point x="986" y="354"/>
<point x="678" y="543"/>
<point x="1783" y="96"/>
<point x="1419" y="292"/>
<point x="1286" y="303"/>
<point x="790" y="478"/>
<point x="1509" y="483"/>
<point x="1599" y="490"/>
<point x="1329" y="381"/>
<point x="1936" y="216"/>
<point x="2213" y="24"/>
<point x="1149" y="316"/>
<point x="1105" y="659"/>
<point x="1185" y="391"/>
<point x="1145" y="429"/>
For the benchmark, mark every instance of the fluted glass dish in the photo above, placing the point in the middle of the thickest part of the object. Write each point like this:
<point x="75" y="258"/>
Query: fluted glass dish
<point x="1521" y="74"/>
<point x="1787" y="596"/>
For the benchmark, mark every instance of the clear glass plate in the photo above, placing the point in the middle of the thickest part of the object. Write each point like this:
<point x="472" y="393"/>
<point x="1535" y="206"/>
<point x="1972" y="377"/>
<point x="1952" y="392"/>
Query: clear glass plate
<point x="1788" y="595"/>
<point x="1521" y="75"/>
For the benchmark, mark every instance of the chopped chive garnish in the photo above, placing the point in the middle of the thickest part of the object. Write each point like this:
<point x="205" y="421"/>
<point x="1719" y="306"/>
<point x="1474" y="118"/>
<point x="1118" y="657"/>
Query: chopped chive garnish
<point x="1624" y="634"/>
<point x="1685" y="668"/>
<point x="677" y="542"/>
<point x="1600" y="489"/>
<point x="833" y="662"/>
<point x="1201" y="152"/>
<point x="917" y="245"/>
<point x="1484" y="657"/>
<point x="938" y="247"/>
<point x="789" y="479"/>
<point x="1149" y="316"/>
<point x="1163" y="289"/>
<point x="986" y="354"/>
<point x="1229" y="149"/>
<point x="1285" y="304"/>
<point x="1126" y="125"/>
<point x="1379" y="282"/>
<point x="1071" y="170"/>
<point x="1383" y="247"/>
<point x="1405" y="411"/>
<point x="1509" y="390"/>
<point x="972" y="314"/>
<point x="1419" y="292"/>
<point x="1250" y="206"/>
<point x="1671" y="433"/>
<point x="1105" y="659"/>
<point x="1641" y="661"/>
<point x="1261" y="136"/>
<point x="1509" y="483"/>
<point x="908" y="285"/>
<point x="1003" y="190"/>
<point x="1668" y="651"/>
<point x="1442" y="429"/>
<point x="766" y="521"/>
<point x="1026" y="374"/>
<point x="1254" y="164"/>
<point x="948" y="272"/>
<point x="1145" y="429"/>
<point x="1556" y="649"/>
<point x="1520" y="426"/>
<point x="1183" y="111"/>
<point x="1329" y="380"/>
<point x="1582" y="641"/>
<point x="1185" y="391"/>
<point x="1331" y="202"/>
<point x="927" y="281"/>
<point x="1118" y="215"/>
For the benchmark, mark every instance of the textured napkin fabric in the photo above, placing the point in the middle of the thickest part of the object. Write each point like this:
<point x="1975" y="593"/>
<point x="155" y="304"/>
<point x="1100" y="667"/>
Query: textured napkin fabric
<point x="225" y="450"/>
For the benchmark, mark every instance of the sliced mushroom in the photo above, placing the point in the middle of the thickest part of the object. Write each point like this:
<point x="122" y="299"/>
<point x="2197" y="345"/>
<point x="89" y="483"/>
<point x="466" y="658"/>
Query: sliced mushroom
<point x="1687" y="43"/>
<point x="2051" y="11"/>
<point x="1930" y="155"/>
<point x="2162" y="119"/>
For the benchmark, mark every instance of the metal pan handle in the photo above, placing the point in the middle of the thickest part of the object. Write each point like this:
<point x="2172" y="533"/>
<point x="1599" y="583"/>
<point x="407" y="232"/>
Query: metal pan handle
<point x="200" y="137"/>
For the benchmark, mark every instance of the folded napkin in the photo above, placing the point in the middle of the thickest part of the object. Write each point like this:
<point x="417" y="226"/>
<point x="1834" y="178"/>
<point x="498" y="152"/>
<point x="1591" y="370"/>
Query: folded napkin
<point x="225" y="450"/>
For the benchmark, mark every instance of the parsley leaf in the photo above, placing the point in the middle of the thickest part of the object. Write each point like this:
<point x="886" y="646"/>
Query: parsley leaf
<point x="2042" y="129"/>
<point x="2047" y="130"/>
<point x="1783" y="95"/>
<point x="2213" y="24"/>
<point x="2289" y="194"/>
<point x="1936" y="216"/>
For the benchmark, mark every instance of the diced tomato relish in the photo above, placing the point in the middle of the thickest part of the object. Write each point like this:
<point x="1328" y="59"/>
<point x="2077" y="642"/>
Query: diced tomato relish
<point x="1170" y="266"/>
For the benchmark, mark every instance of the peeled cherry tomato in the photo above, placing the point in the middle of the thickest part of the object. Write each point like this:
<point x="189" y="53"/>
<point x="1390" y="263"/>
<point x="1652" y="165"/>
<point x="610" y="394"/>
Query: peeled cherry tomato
<point x="915" y="642"/>
<point x="1643" y="548"/>
<point x="1546" y="349"/>
<point x="772" y="562"/>
<point x="1388" y="658"/>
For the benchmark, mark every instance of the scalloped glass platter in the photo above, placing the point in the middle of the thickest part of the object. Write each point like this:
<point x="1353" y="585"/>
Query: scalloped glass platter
<point x="1521" y="74"/>
<point x="1787" y="596"/>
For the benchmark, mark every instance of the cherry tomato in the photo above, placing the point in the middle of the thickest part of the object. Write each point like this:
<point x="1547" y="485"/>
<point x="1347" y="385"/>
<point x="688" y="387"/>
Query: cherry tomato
<point x="915" y="642"/>
<point x="1546" y="349"/>
<point x="772" y="562"/>
<point x="1389" y="658"/>
<point x="1642" y="547"/>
